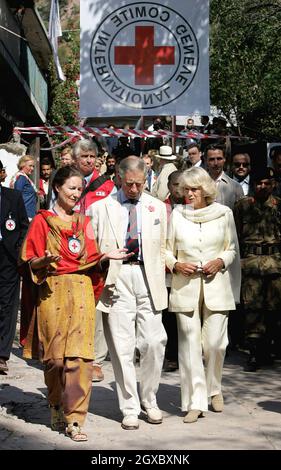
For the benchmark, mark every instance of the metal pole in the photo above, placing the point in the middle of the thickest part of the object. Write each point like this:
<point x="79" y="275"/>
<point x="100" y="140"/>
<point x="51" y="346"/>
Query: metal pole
<point x="174" y="130"/>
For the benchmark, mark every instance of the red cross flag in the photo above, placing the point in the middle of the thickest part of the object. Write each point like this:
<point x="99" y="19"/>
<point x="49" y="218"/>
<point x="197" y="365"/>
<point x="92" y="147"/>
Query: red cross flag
<point x="146" y="58"/>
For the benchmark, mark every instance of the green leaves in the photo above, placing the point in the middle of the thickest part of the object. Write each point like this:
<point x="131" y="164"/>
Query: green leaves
<point x="245" y="60"/>
<point x="64" y="99"/>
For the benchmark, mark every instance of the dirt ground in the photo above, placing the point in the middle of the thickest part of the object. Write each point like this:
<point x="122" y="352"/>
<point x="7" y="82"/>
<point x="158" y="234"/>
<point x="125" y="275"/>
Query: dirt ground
<point x="251" y="419"/>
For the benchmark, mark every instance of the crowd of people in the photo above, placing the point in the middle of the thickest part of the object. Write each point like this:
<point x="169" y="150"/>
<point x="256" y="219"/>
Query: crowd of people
<point x="117" y="240"/>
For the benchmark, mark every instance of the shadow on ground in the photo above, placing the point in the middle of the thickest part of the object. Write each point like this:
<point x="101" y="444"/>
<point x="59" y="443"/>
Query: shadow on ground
<point x="274" y="406"/>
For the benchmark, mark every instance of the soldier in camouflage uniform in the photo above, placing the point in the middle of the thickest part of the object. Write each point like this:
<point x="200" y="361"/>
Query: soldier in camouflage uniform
<point x="258" y="223"/>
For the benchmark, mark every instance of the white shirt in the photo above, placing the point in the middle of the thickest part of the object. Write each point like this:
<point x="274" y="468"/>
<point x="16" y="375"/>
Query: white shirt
<point x="244" y="183"/>
<point x="45" y="186"/>
<point x="125" y="206"/>
<point x="218" y="180"/>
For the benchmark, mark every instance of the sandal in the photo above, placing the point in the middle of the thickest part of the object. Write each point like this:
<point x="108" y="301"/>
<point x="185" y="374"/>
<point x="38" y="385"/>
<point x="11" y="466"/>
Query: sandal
<point x="75" y="433"/>
<point x="57" y="418"/>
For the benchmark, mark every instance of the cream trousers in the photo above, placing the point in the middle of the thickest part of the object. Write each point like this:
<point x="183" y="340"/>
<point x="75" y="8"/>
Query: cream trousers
<point x="201" y="332"/>
<point x="100" y="343"/>
<point x="134" y="323"/>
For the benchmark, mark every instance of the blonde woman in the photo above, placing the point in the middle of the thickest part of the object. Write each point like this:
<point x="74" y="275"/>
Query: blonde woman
<point x="66" y="157"/>
<point x="202" y="253"/>
<point x="25" y="185"/>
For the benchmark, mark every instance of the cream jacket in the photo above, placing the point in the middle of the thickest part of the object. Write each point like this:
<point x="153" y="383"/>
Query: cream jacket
<point x="229" y="191"/>
<point x="107" y="224"/>
<point x="160" y="187"/>
<point x="199" y="236"/>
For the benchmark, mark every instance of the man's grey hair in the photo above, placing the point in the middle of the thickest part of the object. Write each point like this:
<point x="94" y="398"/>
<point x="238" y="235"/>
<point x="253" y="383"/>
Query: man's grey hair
<point x="84" y="145"/>
<point x="132" y="163"/>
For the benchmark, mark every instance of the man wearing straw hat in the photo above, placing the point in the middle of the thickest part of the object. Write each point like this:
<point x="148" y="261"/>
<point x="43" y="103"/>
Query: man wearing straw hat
<point x="166" y="157"/>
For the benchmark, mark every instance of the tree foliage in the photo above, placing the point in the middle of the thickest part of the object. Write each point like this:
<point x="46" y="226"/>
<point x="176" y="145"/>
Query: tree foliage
<point x="63" y="96"/>
<point x="245" y="62"/>
<point x="64" y="100"/>
<point x="245" y="65"/>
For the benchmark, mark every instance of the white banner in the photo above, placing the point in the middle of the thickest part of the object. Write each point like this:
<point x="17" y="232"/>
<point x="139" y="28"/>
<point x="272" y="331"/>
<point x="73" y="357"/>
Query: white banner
<point x="144" y="58"/>
<point x="55" y="32"/>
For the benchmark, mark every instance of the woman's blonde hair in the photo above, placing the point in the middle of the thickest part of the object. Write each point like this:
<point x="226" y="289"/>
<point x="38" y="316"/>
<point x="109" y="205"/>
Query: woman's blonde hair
<point x="197" y="177"/>
<point x="23" y="160"/>
<point x="67" y="150"/>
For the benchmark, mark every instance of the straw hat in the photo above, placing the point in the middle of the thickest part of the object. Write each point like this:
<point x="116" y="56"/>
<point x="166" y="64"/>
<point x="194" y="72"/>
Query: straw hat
<point x="165" y="153"/>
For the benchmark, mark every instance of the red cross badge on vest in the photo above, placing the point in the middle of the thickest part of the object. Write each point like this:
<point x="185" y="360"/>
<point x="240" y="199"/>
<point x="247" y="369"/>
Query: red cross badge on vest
<point x="144" y="55"/>
<point x="74" y="245"/>
<point x="10" y="224"/>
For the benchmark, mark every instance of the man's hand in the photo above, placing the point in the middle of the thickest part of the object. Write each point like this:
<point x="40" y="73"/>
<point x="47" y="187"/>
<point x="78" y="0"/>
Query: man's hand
<point x="119" y="253"/>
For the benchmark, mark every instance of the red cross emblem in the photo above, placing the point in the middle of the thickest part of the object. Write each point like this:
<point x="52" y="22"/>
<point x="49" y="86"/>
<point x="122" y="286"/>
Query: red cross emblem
<point x="10" y="225"/>
<point x="74" y="245"/>
<point x="144" y="55"/>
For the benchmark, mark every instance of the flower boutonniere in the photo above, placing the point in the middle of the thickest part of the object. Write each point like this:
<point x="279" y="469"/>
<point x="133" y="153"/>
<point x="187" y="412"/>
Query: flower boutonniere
<point x="151" y="208"/>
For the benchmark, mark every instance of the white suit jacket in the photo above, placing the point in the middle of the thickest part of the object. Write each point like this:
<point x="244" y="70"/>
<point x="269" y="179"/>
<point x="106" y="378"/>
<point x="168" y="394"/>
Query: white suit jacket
<point x="199" y="243"/>
<point x="229" y="191"/>
<point x="107" y="224"/>
<point x="160" y="187"/>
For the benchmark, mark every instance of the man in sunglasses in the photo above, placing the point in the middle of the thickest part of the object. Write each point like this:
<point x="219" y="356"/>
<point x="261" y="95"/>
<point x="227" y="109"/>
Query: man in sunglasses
<point x="241" y="168"/>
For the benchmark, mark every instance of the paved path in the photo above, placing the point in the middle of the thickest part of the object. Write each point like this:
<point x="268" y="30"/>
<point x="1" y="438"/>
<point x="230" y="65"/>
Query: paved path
<point x="251" y="418"/>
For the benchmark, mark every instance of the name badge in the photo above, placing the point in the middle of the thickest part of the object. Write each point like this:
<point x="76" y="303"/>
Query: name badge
<point x="10" y="224"/>
<point x="74" y="245"/>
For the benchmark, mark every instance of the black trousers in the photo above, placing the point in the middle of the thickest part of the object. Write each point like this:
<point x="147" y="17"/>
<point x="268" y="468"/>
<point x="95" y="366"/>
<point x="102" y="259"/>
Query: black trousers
<point x="169" y="320"/>
<point x="9" y="301"/>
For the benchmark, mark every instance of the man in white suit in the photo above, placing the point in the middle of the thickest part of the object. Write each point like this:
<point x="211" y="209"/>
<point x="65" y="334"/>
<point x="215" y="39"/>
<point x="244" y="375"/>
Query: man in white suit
<point x="135" y="292"/>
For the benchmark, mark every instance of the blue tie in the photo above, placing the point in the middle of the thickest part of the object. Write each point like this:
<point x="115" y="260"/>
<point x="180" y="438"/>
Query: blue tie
<point x="149" y="180"/>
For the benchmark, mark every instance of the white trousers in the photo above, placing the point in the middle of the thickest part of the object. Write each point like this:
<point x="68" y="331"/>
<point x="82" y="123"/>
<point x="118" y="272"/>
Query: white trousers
<point x="100" y="343"/>
<point x="134" y="323"/>
<point x="201" y="331"/>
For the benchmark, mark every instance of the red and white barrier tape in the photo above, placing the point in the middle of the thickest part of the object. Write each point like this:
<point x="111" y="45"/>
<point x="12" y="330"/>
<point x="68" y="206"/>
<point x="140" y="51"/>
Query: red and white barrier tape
<point x="107" y="132"/>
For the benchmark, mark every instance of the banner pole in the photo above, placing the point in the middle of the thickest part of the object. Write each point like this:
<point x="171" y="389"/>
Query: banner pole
<point x="142" y="128"/>
<point x="174" y="130"/>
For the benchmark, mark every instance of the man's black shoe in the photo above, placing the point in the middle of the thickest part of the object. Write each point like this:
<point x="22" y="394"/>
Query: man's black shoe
<point x="251" y="365"/>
